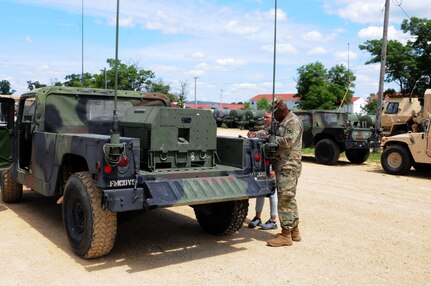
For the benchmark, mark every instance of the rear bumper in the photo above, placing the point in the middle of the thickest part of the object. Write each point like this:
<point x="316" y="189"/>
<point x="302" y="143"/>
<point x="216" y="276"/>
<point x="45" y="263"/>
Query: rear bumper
<point x="190" y="191"/>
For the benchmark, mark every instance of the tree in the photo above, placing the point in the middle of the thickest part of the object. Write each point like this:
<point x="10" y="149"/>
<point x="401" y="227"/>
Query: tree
<point x="130" y="77"/>
<point x="76" y="80"/>
<point x="408" y="65"/>
<point x="5" y="88"/>
<point x="263" y="103"/>
<point x="182" y="94"/>
<point x="34" y="84"/>
<point x="401" y="66"/>
<point x="247" y="105"/>
<point x="322" y="89"/>
<point x="371" y="106"/>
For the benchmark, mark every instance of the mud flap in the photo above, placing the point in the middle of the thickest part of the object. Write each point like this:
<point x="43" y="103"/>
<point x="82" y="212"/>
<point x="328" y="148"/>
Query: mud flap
<point x="192" y="191"/>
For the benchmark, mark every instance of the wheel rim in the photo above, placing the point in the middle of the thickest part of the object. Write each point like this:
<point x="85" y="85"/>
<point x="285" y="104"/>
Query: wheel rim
<point x="77" y="219"/>
<point x="325" y="152"/>
<point x="394" y="160"/>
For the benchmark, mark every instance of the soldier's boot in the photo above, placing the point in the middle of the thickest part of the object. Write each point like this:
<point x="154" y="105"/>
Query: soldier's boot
<point x="296" y="235"/>
<point x="282" y="239"/>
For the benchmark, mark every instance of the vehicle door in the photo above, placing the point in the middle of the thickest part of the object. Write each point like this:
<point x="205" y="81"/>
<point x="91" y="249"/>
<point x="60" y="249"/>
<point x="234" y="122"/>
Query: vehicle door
<point x="307" y="135"/>
<point x="7" y="120"/>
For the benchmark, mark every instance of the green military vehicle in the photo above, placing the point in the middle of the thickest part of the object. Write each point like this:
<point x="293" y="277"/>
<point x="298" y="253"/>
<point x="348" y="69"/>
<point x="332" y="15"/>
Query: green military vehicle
<point x="329" y="133"/>
<point x="62" y="147"/>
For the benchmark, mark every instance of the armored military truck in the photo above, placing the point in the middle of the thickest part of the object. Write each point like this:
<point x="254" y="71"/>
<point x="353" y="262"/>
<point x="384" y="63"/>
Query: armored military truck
<point x="329" y="134"/>
<point x="62" y="147"/>
<point x="401" y="152"/>
<point x="399" y="115"/>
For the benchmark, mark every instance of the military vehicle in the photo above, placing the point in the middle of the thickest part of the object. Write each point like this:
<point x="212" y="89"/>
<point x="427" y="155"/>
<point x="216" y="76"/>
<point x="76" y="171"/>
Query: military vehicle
<point x="62" y="147"/>
<point x="219" y="114"/>
<point x="361" y="121"/>
<point x="400" y="115"/>
<point x="401" y="152"/>
<point x="329" y="134"/>
<point x="244" y="118"/>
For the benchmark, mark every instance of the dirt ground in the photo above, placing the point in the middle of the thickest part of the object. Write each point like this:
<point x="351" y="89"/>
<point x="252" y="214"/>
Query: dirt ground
<point x="360" y="226"/>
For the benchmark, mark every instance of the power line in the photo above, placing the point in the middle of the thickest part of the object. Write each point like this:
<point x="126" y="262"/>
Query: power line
<point x="399" y="5"/>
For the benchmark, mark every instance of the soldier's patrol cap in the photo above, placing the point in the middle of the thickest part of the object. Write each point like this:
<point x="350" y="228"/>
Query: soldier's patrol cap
<point x="278" y="102"/>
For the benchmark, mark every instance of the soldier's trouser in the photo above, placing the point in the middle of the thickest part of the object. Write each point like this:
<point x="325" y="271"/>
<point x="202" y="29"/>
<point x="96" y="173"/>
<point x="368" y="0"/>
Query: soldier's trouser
<point x="287" y="179"/>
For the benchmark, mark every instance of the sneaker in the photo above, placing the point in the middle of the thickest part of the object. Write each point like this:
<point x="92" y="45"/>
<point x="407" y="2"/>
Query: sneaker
<point x="255" y="222"/>
<point x="269" y="225"/>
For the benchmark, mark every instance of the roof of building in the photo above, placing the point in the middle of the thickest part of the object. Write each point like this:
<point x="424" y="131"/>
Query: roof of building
<point x="285" y="96"/>
<point x="208" y="106"/>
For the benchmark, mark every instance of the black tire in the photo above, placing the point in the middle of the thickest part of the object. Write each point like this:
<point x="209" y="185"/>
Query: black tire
<point x="91" y="230"/>
<point x="222" y="218"/>
<point x="422" y="167"/>
<point x="327" y="152"/>
<point x="357" y="156"/>
<point x="396" y="160"/>
<point x="11" y="191"/>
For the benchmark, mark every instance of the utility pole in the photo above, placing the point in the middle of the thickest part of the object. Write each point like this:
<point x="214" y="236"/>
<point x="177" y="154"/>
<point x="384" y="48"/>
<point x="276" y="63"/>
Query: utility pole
<point x="221" y="98"/>
<point x="196" y="102"/>
<point x="382" y="66"/>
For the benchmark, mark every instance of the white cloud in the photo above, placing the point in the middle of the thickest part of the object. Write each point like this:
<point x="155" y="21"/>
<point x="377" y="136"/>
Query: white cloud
<point x="281" y="48"/>
<point x="198" y="55"/>
<point x="313" y="36"/>
<point x="376" y="32"/>
<point x="164" y="22"/>
<point x="123" y="22"/>
<point x="245" y="86"/>
<point x="235" y="28"/>
<point x="230" y="62"/>
<point x="316" y="36"/>
<point x="345" y="56"/>
<point x="197" y="73"/>
<point x="28" y="39"/>
<point x="317" y="51"/>
<point x="202" y="66"/>
<point x="371" y="11"/>
<point x="281" y="15"/>
<point x="165" y="69"/>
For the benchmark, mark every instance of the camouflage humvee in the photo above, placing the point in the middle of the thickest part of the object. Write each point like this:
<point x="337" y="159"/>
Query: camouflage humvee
<point x="62" y="147"/>
<point x="330" y="134"/>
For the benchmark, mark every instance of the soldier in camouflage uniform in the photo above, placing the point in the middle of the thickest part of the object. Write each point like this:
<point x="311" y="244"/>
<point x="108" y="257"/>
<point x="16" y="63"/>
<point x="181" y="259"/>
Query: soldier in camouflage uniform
<point x="287" y="166"/>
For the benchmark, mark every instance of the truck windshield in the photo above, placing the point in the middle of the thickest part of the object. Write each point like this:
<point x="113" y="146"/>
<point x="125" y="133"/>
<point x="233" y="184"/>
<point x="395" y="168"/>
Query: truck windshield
<point x="392" y="108"/>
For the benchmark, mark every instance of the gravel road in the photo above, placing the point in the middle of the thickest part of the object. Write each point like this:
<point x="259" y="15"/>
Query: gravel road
<point x="360" y="226"/>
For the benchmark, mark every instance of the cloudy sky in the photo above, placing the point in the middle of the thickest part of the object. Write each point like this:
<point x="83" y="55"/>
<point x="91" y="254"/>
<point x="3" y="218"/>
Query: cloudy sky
<point x="227" y="44"/>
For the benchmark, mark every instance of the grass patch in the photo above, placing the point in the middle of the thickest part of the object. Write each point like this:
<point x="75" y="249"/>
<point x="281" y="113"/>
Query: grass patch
<point x="374" y="157"/>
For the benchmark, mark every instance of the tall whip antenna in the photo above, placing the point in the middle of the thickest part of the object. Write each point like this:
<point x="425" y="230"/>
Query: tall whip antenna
<point x="272" y="137"/>
<point x="115" y="138"/>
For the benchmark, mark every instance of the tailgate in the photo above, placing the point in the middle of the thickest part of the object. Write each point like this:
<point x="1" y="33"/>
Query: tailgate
<point x="193" y="191"/>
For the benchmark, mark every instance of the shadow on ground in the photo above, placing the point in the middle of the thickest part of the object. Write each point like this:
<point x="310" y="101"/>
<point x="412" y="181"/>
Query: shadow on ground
<point x="145" y="240"/>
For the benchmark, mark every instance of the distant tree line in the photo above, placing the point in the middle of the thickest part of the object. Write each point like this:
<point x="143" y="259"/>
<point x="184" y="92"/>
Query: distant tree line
<point x="130" y="77"/>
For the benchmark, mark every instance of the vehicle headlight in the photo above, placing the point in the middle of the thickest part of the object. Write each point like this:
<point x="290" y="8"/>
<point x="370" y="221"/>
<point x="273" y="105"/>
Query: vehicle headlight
<point x="361" y="135"/>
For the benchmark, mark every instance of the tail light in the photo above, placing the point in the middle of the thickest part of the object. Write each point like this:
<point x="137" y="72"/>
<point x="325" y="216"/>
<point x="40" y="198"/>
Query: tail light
<point x="124" y="161"/>
<point x="107" y="169"/>
<point x="257" y="157"/>
<point x="267" y="163"/>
